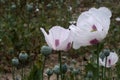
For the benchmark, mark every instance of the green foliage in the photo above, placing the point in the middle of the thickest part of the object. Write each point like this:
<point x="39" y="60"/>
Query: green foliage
<point x="92" y="67"/>
<point x="35" y="73"/>
<point x="36" y="70"/>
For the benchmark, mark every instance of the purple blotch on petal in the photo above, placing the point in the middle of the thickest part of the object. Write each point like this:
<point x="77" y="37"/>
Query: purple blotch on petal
<point x="68" y="45"/>
<point x="109" y="62"/>
<point x="94" y="28"/>
<point x="57" y="42"/>
<point x="94" y="41"/>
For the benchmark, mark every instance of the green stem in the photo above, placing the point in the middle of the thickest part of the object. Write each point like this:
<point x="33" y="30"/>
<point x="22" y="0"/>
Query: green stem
<point x="110" y="76"/>
<point x="29" y="21"/>
<point x="105" y="67"/>
<point x="43" y="67"/>
<point x="60" y="62"/>
<point x="63" y="77"/>
<point x="102" y="73"/>
<point x="99" y="47"/>
<point x="98" y="65"/>
<point x="57" y="76"/>
<point x="98" y="50"/>
<point x="22" y="72"/>
<point x="13" y="73"/>
<point x="48" y="77"/>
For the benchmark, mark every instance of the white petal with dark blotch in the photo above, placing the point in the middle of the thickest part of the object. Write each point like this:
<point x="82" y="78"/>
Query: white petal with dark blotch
<point x="58" y="38"/>
<point x="92" y="25"/>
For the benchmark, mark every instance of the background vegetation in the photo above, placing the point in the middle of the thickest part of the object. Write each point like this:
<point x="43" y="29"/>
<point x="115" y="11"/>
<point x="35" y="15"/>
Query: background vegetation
<point x="20" y="21"/>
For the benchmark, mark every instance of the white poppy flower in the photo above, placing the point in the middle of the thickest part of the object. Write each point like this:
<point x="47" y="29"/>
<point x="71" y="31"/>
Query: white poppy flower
<point x="111" y="60"/>
<point x="92" y="26"/>
<point x="58" y="38"/>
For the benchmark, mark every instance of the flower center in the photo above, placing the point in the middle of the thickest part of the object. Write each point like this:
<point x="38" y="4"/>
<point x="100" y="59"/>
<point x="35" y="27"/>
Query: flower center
<point x="94" y="41"/>
<point x="57" y="42"/>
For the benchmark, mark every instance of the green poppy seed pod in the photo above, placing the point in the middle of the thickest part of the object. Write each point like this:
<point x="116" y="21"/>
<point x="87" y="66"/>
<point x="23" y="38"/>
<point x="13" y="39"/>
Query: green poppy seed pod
<point x="15" y="61"/>
<point x="29" y="7"/>
<point x="49" y="6"/>
<point x="49" y="72"/>
<point x="106" y="52"/>
<point x="102" y="55"/>
<point x="46" y="50"/>
<point x="13" y="6"/>
<point x="56" y="69"/>
<point x="64" y="68"/>
<point x="90" y="74"/>
<point x="71" y="68"/>
<point x="23" y="56"/>
<point x="73" y="61"/>
<point x="76" y="71"/>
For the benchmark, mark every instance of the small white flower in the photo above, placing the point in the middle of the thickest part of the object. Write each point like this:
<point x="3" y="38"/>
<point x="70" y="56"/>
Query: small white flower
<point x="111" y="60"/>
<point x="117" y="19"/>
<point x="36" y="10"/>
<point x="92" y="27"/>
<point x="58" y="38"/>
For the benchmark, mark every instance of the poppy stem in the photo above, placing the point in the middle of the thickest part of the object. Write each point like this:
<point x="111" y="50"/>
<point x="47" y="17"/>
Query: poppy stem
<point x="48" y="77"/>
<point x="99" y="47"/>
<point x="22" y="75"/>
<point x="98" y="65"/>
<point x="57" y="76"/>
<point x="13" y="73"/>
<point x="60" y="62"/>
<point x="109" y="74"/>
<point x="102" y="73"/>
<point x="43" y="66"/>
<point x="105" y="67"/>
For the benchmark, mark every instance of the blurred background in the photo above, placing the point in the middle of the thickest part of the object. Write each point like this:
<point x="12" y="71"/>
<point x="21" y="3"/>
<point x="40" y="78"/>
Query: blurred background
<point x="20" y="22"/>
